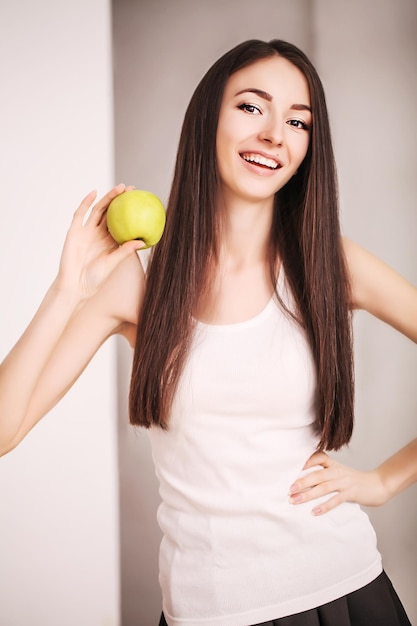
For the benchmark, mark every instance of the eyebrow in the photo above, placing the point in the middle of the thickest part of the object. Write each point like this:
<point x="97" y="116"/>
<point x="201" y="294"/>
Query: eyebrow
<point x="267" y="96"/>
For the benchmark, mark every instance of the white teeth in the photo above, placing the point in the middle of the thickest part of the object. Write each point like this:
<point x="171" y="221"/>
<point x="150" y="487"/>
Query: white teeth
<point x="256" y="158"/>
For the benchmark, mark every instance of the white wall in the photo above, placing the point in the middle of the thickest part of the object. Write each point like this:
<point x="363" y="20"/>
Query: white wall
<point x="58" y="504"/>
<point x="366" y="52"/>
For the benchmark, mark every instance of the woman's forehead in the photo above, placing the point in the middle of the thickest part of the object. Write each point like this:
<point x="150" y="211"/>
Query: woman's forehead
<point x="274" y="75"/>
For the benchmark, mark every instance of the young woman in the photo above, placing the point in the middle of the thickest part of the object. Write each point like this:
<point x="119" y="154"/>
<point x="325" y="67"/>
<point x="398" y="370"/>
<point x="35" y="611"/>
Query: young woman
<point x="243" y="359"/>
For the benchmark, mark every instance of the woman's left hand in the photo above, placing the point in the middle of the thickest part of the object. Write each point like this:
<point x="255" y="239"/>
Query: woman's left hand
<point x="344" y="483"/>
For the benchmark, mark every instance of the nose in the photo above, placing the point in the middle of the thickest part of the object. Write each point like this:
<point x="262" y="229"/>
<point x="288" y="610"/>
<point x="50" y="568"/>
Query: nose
<point x="273" y="133"/>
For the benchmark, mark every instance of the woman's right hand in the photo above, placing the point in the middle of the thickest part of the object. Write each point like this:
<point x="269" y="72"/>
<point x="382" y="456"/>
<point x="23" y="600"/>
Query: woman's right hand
<point x="63" y="336"/>
<point x="90" y="253"/>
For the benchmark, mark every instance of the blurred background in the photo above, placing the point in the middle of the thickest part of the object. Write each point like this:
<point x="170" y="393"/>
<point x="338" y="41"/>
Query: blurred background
<point x="94" y="93"/>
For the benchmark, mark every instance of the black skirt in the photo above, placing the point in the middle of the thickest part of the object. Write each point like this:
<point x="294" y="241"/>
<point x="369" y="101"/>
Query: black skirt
<point x="376" y="604"/>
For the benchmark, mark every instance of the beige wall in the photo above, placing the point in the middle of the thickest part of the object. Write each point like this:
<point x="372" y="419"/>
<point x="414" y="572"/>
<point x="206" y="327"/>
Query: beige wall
<point x="366" y="52"/>
<point x="58" y="490"/>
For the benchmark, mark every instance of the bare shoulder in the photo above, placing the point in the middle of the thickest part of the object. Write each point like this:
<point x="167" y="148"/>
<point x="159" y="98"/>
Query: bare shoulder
<point x="120" y="298"/>
<point x="380" y="290"/>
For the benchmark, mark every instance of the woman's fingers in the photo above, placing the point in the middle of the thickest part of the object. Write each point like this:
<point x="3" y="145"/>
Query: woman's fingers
<point x="329" y="505"/>
<point x="93" y="275"/>
<point x="96" y="213"/>
<point x="344" y="483"/>
<point x="313" y="486"/>
<point x="318" y="458"/>
<point x="332" y="478"/>
<point x="317" y="477"/>
<point x="85" y="206"/>
<point x="123" y="251"/>
<point x="99" y="209"/>
<point x="90" y="254"/>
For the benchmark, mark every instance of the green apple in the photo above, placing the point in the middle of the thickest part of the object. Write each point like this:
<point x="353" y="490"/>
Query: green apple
<point x="136" y="214"/>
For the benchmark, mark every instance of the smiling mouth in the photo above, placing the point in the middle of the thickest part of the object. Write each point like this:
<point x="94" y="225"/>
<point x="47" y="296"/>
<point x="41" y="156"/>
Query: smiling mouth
<point x="262" y="161"/>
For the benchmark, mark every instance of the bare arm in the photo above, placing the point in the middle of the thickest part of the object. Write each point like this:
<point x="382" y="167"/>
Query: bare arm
<point x="371" y="488"/>
<point x="381" y="291"/>
<point x="97" y="292"/>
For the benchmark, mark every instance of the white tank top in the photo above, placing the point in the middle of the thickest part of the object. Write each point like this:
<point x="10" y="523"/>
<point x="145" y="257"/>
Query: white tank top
<point x="235" y="552"/>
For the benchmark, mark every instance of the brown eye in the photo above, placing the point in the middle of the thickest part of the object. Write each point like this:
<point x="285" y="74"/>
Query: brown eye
<point x="252" y="109"/>
<point x="299" y="124"/>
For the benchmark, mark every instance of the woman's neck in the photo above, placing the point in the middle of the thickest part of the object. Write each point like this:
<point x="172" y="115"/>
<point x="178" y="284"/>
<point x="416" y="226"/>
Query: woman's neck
<point x="245" y="232"/>
<point x="242" y="267"/>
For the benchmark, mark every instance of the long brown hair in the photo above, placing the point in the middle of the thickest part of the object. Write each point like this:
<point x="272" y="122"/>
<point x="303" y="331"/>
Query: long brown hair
<point x="305" y="235"/>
